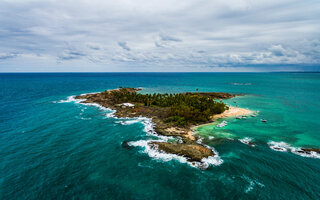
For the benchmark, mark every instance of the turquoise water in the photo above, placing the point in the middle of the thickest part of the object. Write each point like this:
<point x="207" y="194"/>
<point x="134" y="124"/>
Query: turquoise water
<point x="53" y="149"/>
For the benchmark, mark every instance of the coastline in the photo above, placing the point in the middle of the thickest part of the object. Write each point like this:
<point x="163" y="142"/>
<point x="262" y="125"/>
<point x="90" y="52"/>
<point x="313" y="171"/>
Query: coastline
<point x="52" y="145"/>
<point x="231" y="112"/>
<point x="189" y="147"/>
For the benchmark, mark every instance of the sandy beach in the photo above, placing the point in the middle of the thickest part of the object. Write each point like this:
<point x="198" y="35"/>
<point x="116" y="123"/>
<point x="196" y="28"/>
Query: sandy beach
<point x="233" y="112"/>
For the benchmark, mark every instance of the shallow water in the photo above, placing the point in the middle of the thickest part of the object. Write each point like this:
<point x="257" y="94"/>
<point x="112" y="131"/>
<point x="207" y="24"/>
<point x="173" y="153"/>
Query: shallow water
<point x="65" y="150"/>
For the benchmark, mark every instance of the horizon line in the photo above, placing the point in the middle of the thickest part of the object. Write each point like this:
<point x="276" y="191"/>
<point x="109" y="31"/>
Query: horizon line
<point x="168" y="72"/>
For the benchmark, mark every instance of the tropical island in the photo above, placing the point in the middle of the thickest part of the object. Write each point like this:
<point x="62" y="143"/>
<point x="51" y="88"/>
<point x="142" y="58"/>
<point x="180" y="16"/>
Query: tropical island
<point x="172" y="114"/>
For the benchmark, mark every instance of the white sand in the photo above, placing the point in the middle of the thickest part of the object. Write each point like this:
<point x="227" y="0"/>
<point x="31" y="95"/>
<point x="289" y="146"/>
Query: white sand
<point x="233" y="112"/>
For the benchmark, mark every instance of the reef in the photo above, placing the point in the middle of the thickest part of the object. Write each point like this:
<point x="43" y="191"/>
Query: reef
<point x="309" y="150"/>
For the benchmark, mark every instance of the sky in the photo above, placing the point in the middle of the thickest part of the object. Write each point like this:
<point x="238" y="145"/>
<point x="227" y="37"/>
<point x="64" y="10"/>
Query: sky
<point x="159" y="36"/>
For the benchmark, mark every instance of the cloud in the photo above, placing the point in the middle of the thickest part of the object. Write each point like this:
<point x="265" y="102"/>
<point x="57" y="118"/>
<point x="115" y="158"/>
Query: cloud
<point x="71" y="55"/>
<point x="169" y="38"/>
<point x="4" y="56"/>
<point x="278" y="50"/>
<point x="94" y="46"/>
<point x="158" y="44"/>
<point x="189" y="34"/>
<point x="124" y="46"/>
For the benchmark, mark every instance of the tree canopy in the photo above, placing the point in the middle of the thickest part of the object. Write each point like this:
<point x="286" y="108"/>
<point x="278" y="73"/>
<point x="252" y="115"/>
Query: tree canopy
<point x="183" y="108"/>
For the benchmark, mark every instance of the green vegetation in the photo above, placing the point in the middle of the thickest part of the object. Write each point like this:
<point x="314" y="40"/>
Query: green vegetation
<point x="184" y="109"/>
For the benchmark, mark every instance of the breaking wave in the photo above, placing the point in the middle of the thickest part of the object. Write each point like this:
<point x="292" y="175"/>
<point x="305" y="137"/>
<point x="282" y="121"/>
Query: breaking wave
<point x="129" y="122"/>
<point x="157" y="154"/>
<point x="247" y="141"/>
<point x="73" y="99"/>
<point x="285" y="147"/>
<point x="69" y="99"/>
<point x="252" y="184"/>
<point x="240" y="83"/>
<point x="151" y="150"/>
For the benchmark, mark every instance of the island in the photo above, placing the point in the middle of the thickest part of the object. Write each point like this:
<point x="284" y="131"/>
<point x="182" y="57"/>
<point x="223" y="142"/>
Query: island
<point x="172" y="114"/>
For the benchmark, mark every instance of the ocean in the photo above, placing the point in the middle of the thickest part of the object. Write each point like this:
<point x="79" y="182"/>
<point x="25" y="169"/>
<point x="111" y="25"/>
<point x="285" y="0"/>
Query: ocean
<point x="53" y="147"/>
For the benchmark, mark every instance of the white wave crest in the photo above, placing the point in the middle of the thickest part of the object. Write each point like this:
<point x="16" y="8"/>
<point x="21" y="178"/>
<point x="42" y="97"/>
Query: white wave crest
<point x="279" y="146"/>
<point x="310" y="154"/>
<point x="252" y="183"/>
<point x="147" y="123"/>
<point x="149" y="129"/>
<point x="153" y="152"/>
<point x="97" y="105"/>
<point x="148" y="126"/>
<point x="247" y="141"/>
<point x="129" y="122"/>
<point x="69" y="99"/>
<point x="73" y="99"/>
<point x="241" y="83"/>
<point x="80" y="101"/>
<point x="282" y="146"/>
<point x="212" y="160"/>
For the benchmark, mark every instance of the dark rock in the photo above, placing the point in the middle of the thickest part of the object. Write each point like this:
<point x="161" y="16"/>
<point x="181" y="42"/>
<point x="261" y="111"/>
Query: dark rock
<point x="194" y="152"/>
<point x="310" y="149"/>
<point x="125" y="145"/>
<point x="305" y="152"/>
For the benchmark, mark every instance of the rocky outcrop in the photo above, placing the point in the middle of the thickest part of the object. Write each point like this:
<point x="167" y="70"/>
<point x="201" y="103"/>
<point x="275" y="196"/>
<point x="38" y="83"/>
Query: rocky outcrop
<point x="188" y="148"/>
<point x="193" y="152"/>
<point x="309" y="150"/>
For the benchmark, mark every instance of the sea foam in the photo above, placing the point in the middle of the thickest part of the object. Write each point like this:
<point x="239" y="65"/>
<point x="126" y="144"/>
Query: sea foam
<point x="157" y="154"/>
<point x="252" y="183"/>
<point x="80" y="101"/>
<point x="241" y="83"/>
<point x="285" y="147"/>
<point x="247" y="141"/>
<point x="69" y="99"/>
<point x="129" y="122"/>
<point x="151" y="150"/>
<point x="279" y="146"/>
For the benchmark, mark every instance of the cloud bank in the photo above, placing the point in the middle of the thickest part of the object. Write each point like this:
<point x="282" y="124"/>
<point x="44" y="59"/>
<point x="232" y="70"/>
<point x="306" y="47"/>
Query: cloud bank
<point x="166" y="35"/>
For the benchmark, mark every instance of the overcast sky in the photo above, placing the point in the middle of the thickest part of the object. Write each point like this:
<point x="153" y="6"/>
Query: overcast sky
<point x="163" y="35"/>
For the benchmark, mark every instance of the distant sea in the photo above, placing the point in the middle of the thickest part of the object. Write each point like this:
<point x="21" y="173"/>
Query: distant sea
<point x="52" y="147"/>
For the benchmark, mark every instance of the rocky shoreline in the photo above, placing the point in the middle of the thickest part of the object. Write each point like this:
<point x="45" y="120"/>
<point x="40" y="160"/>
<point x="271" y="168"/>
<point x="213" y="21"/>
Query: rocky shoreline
<point x="187" y="147"/>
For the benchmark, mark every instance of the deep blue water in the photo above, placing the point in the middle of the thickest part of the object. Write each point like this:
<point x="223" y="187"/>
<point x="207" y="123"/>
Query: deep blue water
<point x="55" y="150"/>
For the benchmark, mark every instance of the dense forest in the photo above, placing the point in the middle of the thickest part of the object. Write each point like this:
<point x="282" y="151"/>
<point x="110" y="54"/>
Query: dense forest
<point x="187" y="108"/>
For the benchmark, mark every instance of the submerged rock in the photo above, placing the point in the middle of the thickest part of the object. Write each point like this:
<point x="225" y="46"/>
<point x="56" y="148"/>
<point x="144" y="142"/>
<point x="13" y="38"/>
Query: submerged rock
<point x="125" y="145"/>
